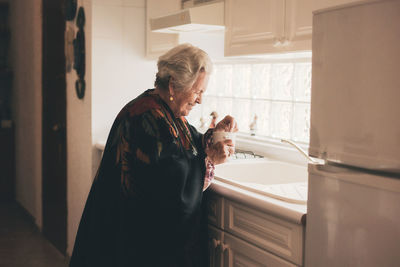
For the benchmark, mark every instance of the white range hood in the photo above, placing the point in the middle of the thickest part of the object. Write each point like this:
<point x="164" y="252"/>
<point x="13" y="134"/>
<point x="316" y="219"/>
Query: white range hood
<point x="203" y="18"/>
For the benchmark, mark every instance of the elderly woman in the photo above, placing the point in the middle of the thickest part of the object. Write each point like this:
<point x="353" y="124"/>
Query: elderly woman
<point x="144" y="207"/>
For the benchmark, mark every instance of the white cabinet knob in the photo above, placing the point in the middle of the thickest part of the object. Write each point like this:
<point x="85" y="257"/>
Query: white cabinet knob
<point x="285" y="42"/>
<point x="277" y="43"/>
<point x="215" y="243"/>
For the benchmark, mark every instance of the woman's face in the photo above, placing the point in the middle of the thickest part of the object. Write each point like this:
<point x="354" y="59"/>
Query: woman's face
<point x="184" y="101"/>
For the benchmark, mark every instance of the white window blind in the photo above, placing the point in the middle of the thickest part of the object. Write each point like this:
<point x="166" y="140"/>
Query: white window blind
<point x="278" y="92"/>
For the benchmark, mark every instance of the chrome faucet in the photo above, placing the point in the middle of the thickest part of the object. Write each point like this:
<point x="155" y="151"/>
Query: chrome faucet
<point x="310" y="159"/>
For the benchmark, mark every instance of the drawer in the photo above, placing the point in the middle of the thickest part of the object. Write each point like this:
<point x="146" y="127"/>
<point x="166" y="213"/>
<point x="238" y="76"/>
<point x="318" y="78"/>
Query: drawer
<point x="240" y="253"/>
<point x="280" y="237"/>
<point x="215" y="207"/>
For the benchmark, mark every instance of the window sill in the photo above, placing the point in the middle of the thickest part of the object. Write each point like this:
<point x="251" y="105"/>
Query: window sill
<point x="271" y="148"/>
<point x="266" y="147"/>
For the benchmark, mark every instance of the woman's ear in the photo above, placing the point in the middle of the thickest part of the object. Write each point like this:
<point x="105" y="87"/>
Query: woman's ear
<point x="171" y="86"/>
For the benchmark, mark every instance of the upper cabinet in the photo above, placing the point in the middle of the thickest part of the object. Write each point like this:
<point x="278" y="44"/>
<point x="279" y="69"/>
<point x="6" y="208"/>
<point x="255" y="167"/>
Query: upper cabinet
<point x="321" y="4"/>
<point x="298" y="25"/>
<point x="251" y="27"/>
<point x="267" y="26"/>
<point x="159" y="43"/>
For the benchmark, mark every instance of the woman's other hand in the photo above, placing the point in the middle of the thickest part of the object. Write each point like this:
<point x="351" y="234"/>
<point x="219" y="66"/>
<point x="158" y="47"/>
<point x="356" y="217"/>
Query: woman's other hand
<point x="219" y="153"/>
<point x="228" y="124"/>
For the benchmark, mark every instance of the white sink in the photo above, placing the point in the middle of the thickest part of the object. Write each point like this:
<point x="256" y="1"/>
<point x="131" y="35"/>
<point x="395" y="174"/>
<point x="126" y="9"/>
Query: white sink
<point x="277" y="179"/>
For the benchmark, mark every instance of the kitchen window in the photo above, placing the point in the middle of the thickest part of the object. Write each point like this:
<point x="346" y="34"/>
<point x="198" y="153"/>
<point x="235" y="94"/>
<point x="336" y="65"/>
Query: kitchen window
<point x="277" y="90"/>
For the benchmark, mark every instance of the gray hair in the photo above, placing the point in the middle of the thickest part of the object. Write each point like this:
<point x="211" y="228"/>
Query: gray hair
<point x="183" y="62"/>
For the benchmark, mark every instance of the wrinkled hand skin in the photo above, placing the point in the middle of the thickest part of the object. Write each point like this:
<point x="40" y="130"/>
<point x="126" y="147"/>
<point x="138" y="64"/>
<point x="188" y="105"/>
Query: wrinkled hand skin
<point x="219" y="152"/>
<point x="228" y="124"/>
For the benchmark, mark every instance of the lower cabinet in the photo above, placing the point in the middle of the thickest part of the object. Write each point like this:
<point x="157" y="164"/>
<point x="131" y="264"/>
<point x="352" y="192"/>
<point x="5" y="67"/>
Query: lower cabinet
<point x="229" y="251"/>
<point x="240" y="235"/>
<point x="215" y="246"/>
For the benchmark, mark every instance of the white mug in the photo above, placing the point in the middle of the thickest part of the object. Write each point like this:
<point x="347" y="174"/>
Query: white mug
<point x="221" y="136"/>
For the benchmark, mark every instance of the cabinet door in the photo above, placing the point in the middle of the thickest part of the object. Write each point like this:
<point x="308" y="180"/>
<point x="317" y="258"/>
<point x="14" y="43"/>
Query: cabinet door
<point x="159" y="43"/>
<point x="298" y="25"/>
<point x="215" y="246"/>
<point x="279" y="236"/>
<point x="253" y="27"/>
<point x="321" y="4"/>
<point x="215" y="206"/>
<point x="241" y="253"/>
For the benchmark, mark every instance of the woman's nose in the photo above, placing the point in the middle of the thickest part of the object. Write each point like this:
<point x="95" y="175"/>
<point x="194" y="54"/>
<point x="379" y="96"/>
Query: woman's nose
<point x="198" y="99"/>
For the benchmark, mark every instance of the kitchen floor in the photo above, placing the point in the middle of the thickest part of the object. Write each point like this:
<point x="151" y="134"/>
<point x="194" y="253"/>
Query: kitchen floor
<point x="21" y="244"/>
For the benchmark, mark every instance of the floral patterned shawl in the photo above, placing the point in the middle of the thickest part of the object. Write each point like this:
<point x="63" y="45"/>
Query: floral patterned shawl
<point x="145" y="204"/>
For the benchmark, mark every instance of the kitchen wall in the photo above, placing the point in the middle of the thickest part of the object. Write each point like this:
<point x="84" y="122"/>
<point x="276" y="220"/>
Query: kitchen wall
<point x="211" y="42"/>
<point x="120" y="70"/>
<point x="79" y="136"/>
<point x="26" y="61"/>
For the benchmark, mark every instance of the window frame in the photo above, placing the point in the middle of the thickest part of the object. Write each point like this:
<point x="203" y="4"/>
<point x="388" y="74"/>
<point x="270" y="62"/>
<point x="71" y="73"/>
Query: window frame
<point x="268" y="146"/>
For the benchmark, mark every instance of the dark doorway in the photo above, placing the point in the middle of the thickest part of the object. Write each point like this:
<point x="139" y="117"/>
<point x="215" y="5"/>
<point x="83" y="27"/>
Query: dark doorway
<point x="54" y="125"/>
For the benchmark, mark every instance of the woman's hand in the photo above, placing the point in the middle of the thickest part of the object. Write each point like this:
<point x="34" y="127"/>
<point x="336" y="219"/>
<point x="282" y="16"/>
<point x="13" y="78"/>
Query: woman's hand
<point x="219" y="153"/>
<point x="228" y="124"/>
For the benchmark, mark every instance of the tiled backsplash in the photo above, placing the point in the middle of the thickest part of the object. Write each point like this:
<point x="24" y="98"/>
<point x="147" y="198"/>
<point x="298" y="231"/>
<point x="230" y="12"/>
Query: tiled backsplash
<point x="277" y="92"/>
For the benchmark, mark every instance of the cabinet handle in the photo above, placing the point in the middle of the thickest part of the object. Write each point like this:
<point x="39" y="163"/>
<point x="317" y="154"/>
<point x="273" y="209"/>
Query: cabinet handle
<point x="277" y="43"/>
<point x="216" y="243"/>
<point x="224" y="247"/>
<point x="285" y="42"/>
<point x="226" y="254"/>
<point x="56" y="127"/>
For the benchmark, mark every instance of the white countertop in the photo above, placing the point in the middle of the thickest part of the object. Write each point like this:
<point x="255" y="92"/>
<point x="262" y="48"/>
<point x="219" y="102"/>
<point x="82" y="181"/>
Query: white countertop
<point x="290" y="211"/>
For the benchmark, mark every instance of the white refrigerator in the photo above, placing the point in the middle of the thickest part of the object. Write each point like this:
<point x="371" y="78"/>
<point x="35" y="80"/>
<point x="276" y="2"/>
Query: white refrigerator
<point x="353" y="213"/>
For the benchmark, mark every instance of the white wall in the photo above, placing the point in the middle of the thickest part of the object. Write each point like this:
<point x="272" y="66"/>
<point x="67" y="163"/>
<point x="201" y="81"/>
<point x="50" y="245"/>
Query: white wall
<point x="79" y="136"/>
<point x="26" y="60"/>
<point x="212" y="43"/>
<point x="120" y="70"/>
